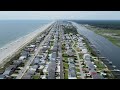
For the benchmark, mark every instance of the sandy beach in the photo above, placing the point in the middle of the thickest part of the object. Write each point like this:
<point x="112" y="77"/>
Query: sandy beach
<point x="10" y="49"/>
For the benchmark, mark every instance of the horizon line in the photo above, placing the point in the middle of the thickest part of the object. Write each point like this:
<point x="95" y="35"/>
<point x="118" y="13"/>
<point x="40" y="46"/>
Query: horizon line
<point x="59" y="19"/>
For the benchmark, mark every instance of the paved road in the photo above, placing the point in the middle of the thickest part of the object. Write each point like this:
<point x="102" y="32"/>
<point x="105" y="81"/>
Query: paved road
<point x="81" y="71"/>
<point x="31" y="59"/>
<point x="61" y="62"/>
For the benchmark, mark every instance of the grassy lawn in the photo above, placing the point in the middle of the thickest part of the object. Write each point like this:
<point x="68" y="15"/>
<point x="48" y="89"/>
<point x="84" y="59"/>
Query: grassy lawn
<point x="66" y="74"/>
<point x="7" y="64"/>
<point x="109" y="34"/>
<point x="77" y="49"/>
<point x="36" y="77"/>
<point x="51" y="43"/>
<point x="84" y="66"/>
<point x="1" y="69"/>
<point x="79" y="78"/>
<point x="89" y="48"/>
<point x="99" y="64"/>
<point x="78" y="70"/>
<point x="16" y="71"/>
<point x="81" y="55"/>
<point x="109" y="75"/>
<point x="63" y="46"/>
<point x="65" y="65"/>
<point x="77" y="65"/>
<point x="65" y="58"/>
<point x="64" y="55"/>
<point x="49" y="51"/>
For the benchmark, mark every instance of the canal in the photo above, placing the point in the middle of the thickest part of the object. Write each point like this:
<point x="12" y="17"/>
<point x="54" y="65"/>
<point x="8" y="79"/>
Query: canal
<point x="106" y="48"/>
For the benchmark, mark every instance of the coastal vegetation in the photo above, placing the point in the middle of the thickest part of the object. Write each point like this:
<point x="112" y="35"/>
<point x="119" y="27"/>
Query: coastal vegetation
<point x="66" y="74"/>
<point x="72" y="30"/>
<point x="90" y="50"/>
<point x="111" y="34"/>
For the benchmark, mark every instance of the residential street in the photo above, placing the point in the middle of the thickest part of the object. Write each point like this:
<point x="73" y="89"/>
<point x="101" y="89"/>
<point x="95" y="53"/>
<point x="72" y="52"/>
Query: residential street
<point x="81" y="71"/>
<point x="32" y="58"/>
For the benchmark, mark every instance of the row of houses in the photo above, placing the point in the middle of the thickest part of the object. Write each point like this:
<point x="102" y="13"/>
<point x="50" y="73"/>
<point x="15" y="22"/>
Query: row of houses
<point x="81" y="45"/>
<point x="39" y="63"/>
<point x="52" y="65"/>
<point x="24" y="55"/>
<point x="68" y="46"/>
<point x="91" y="67"/>
<point x="11" y="69"/>
<point x="67" y="24"/>
<point x="67" y="37"/>
<point x="46" y="69"/>
<point x="72" y="70"/>
<point x="87" y="59"/>
<point x="30" y="72"/>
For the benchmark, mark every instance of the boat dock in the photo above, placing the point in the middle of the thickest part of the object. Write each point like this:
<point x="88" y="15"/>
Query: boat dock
<point x="107" y="62"/>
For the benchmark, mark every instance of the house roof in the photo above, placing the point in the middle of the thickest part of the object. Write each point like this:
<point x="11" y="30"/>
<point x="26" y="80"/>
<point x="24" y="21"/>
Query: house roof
<point x="54" y="48"/>
<point x="53" y="56"/>
<point x="7" y="72"/>
<point x="71" y="65"/>
<point x="43" y="76"/>
<point x="35" y="66"/>
<point x="95" y="75"/>
<point x="32" y="46"/>
<point x="41" y="67"/>
<point x="70" y="52"/>
<point x="17" y="62"/>
<point x="90" y="64"/>
<point x="72" y="78"/>
<point x="36" y="60"/>
<point x="71" y="60"/>
<point x="22" y="57"/>
<point x="30" y="72"/>
<point x="11" y="67"/>
<point x="2" y="76"/>
<point x="44" y="49"/>
<point x="26" y="76"/>
<point x="24" y="53"/>
<point x="72" y="72"/>
<point x="86" y="57"/>
<point x="84" y="51"/>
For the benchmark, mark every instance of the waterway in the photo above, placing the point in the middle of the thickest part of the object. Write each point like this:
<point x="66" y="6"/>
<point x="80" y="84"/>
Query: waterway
<point x="106" y="48"/>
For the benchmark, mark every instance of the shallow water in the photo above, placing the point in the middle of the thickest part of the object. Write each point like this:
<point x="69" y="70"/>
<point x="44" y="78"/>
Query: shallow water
<point x="11" y="30"/>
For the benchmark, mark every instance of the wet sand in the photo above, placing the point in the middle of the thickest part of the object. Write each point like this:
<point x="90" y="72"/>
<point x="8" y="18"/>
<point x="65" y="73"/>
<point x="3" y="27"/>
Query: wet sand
<point x="8" y="50"/>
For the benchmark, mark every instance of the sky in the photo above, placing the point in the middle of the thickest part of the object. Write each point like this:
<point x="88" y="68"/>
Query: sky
<point x="56" y="15"/>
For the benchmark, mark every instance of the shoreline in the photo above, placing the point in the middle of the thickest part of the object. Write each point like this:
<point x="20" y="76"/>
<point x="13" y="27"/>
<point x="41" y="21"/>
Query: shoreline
<point x="9" y="49"/>
<point x="106" y="33"/>
<point x="103" y="59"/>
<point x="18" y="39"/>
<point x="9" y="42"/>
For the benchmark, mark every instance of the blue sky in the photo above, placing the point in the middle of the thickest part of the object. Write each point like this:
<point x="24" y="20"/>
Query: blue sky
<point x="54" y="15"/>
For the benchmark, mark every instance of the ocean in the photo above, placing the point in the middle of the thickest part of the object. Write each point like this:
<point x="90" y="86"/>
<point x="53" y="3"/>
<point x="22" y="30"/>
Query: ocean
<point x="11" y="30"/>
